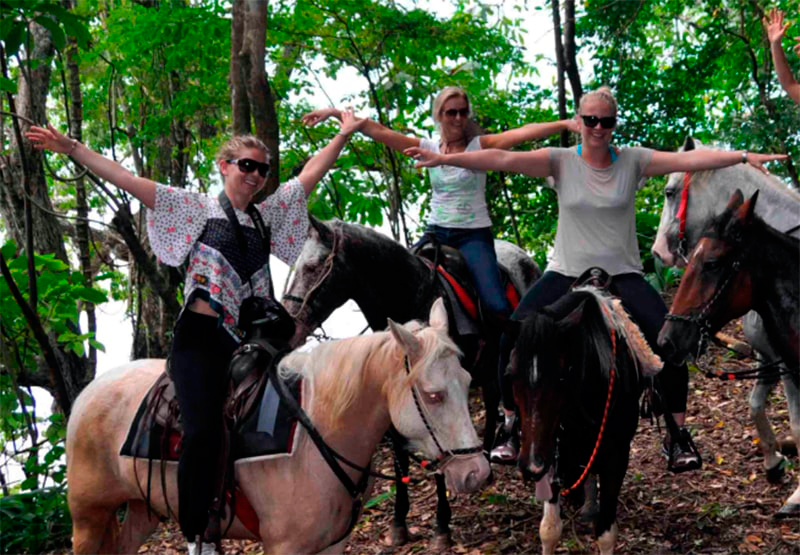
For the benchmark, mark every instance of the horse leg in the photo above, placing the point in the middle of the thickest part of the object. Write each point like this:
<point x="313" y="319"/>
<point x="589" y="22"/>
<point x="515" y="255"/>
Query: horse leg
<point x="442" y="540"/>
<point x="136" y="527"/>
<point x="773" y="460"/>
<point x="611" y="478"/>
<point x="791" y="387"/>
<point x="589" y="509"/>
<point x="94" y="529"/>
<point x="490" y="391"/>
<point x="398" y="534"/>
<point x="550" y="527"/>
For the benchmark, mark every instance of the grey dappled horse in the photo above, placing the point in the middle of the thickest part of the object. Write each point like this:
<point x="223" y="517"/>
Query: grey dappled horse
<point x="779" y="206"/>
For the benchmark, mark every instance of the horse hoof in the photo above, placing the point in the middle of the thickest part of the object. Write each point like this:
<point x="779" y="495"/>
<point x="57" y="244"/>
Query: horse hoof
<point x="442" y="542"/>
<point x="398" y="535"/>
<point x="775" y="474"/>
<point x="789" y="510"/>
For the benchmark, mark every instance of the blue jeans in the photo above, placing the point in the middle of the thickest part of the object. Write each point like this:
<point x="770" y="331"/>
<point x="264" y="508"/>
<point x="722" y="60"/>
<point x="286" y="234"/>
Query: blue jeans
<point x="477" y="248"/>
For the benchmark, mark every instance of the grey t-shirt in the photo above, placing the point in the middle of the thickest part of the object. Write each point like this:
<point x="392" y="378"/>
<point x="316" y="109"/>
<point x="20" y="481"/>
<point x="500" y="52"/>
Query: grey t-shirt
<point x="596" y="211"/>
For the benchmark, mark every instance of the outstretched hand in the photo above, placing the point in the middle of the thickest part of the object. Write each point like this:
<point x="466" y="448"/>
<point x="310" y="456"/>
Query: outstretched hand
<point x="318" y="116"/>
<point x="758" y="160"/>
<point x="776" y="29"/>
<point x="350" y="123"/>
<point x="424" y="158"/>
<point x="797" y="46"/>
<point x="49" y="139"/>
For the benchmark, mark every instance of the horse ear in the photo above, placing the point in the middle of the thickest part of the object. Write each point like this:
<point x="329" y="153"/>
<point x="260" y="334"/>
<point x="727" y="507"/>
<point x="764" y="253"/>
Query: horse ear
<point x="410" y="344"/>
<point x="745" y="212"/>
<point x="736" y="200"/>
<point x="688" y="144"/>
<point x="438" y="315"/>
<point x="324" y="232"/>
<point x="573" y="317"/>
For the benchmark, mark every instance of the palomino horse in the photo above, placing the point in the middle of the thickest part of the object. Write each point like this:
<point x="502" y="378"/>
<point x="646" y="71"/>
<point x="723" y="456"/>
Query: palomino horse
<point x="740" y="263"/>
<point x="342" y="261"/>
<point x="691" y="201"/>
<point x="353" y="391"/>
<point x="577" y="371"/>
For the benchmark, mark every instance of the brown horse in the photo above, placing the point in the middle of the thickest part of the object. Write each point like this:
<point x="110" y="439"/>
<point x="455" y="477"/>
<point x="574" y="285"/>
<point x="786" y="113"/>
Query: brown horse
<point x="740" y="264"/>
<point x="353" y="391"/>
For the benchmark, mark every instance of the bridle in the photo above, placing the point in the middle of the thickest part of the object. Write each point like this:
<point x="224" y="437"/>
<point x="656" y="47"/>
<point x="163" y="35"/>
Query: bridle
<point x="327" y="269"/>
<point x="701" y="319"/>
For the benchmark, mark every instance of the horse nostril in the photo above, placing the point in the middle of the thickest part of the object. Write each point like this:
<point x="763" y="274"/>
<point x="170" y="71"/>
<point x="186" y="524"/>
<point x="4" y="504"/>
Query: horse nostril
<point x="471" y="483"/>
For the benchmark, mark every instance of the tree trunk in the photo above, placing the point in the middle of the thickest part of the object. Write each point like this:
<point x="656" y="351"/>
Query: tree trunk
<point x="240" y="105"/>
<point x="562" y="91"/>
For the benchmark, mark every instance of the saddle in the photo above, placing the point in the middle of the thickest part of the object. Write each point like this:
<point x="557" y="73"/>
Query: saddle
<point x="453" y="273"/>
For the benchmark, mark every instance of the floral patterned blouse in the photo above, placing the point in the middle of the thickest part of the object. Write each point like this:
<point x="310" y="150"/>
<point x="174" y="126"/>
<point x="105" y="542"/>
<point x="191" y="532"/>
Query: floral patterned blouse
<point x="185" y="224"/>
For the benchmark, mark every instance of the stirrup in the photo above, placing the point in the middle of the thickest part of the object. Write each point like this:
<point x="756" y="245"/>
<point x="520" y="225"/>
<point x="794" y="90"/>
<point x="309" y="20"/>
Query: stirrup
<point x="204" y="548"/>
<point x="505" y="453"/>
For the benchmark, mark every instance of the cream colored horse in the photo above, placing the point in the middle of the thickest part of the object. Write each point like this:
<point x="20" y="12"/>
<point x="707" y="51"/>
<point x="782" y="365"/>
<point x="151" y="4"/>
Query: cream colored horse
<point x="353" y="390"/>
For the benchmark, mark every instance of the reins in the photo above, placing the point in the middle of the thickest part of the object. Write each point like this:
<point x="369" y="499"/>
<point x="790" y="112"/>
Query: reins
<point x="611" y="378"/>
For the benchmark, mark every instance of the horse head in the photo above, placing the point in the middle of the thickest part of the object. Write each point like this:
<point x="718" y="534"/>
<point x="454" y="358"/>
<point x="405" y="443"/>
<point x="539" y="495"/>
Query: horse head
<point x="318" y="287"/>
<point x="717" y="286"/>
<point x="429" y="405"/>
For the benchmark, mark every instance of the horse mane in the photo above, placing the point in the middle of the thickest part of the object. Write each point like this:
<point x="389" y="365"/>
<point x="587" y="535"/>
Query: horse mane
<point x="338" y="370"/>
<point x="779" y="204"/>
<point x="542" y="336"/>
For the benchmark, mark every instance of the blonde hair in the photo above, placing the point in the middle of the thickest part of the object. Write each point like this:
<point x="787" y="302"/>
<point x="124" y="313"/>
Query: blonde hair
<point x="604" y="93"/>
<point x="239" y="142"/>
<point x="471" y="129"/>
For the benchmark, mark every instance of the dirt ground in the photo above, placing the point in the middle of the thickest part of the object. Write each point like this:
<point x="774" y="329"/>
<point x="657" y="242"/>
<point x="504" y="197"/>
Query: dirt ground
<point x="725" y="507"/>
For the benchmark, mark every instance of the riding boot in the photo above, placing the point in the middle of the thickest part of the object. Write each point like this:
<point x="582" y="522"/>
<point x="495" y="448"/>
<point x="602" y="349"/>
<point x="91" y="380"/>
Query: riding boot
<point x="201" y="548"/>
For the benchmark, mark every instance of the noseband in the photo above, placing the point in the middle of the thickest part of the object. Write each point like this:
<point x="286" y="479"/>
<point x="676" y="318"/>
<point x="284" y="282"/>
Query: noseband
<point x="327" y="269"/>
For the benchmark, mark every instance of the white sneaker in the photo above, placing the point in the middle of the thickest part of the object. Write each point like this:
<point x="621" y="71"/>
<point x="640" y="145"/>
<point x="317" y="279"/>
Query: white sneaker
<point x="204" y="549"/>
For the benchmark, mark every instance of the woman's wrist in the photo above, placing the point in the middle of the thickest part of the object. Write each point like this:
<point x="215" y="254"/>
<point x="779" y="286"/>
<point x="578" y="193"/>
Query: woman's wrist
<point x="744" y="157"/>
<point x="73" y="146"/>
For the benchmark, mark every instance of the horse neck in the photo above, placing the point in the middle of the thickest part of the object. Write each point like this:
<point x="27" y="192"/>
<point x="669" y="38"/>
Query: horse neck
<point x="393" y="282"/>
<point x="775" y="265"/>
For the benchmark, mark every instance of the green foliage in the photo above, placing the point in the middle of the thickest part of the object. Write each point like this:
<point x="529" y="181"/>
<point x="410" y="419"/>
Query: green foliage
<point x="19" y="14"/>
<point x="34" y="521"/>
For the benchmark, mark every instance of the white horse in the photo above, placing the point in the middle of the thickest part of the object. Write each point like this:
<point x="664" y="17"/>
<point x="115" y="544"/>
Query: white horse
<point x="353" y="390"/>
<point x="779" y="206"/>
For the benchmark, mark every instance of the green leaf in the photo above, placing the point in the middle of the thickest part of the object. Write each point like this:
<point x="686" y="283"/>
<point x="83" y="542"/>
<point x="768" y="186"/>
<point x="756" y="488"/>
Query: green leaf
<point x="14" y="38"/>
<point x="59" y="39"/>
<point x="8" y="85"/>
<point x="91" y="295"/>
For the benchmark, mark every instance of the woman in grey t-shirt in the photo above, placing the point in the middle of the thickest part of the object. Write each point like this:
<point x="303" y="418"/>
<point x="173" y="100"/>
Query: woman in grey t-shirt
<point x="596" y="186"/>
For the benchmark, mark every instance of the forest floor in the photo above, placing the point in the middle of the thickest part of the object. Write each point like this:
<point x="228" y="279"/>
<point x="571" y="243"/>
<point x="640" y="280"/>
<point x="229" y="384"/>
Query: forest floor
<point x="725" y="507"/>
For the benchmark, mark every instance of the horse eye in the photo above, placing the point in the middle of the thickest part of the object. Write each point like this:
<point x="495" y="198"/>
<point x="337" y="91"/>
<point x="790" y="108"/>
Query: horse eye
<point x="711" y="265"/>
<point x="436" y="397"/>
<point x="669" y="193"/>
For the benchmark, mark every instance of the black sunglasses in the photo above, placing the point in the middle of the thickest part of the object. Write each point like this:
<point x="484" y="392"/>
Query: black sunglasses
<point x="609" y="122"/>
<point x="451" y="113"/>
<point x="248" y="165"/>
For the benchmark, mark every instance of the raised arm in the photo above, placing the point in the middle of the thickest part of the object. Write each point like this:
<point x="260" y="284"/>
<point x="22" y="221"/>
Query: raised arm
<point x="316" y="168"/>
<point x="535" y="163"/>
<point x="530" y="132"/>
<point x="372" y="129"/>
<point x="705" y="159"/>
<point x="106" y="169"/>
<point x="776" y="30"/>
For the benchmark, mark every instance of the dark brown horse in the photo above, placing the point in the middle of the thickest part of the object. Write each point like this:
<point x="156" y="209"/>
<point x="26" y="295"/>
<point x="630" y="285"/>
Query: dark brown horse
<point x="577" y="370"/>
<point x="741" y="264"/>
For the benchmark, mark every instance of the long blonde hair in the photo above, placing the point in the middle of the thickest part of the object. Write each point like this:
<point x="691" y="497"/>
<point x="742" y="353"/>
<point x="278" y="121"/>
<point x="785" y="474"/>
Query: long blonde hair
<point x="471" y="129"/>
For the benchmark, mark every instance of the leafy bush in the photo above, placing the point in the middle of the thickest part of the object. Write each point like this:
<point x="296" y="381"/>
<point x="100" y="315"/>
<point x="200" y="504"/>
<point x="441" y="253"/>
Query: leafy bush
<point x="34" y="521"/>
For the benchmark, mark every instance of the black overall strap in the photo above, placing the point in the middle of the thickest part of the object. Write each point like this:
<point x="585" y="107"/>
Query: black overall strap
<point x="263" y="231"/>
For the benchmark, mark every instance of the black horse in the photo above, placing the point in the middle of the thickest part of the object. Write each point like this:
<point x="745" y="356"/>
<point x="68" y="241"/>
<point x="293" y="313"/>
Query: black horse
<point x="576" y="371"/>
<point x="742" y="264"/>
<point x="342" y="261"/>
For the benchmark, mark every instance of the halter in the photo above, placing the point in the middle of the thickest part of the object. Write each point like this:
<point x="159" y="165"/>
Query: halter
<point x="701" y="318"/>
<point x="683" y="208"/>
<point x="327" y="269"/>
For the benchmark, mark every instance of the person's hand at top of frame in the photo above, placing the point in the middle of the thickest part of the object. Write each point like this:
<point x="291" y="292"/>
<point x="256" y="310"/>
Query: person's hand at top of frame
<point x="318" y="116"/>
<point x="424" y="158"/>
<point x="350" y="123"/>
<point x="49" y="139"/>
<point x="776" y="29"/>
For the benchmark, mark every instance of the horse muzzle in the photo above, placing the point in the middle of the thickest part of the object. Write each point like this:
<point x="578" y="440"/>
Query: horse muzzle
<point x="466" y="474"/>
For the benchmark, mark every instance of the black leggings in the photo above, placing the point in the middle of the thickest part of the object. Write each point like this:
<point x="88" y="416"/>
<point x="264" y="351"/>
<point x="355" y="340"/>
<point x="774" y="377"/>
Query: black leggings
<point x="201" y="351"/>
<point x="641" y="301"/>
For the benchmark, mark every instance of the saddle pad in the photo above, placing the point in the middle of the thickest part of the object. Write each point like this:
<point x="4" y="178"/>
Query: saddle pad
<point x="268" y="429"/>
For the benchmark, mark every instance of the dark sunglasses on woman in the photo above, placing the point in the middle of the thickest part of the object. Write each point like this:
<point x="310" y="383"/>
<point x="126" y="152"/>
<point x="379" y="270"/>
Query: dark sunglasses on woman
<point x="451" y="113"/>
<point x="609" y="122"/>
<point x="248" y="165"/>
